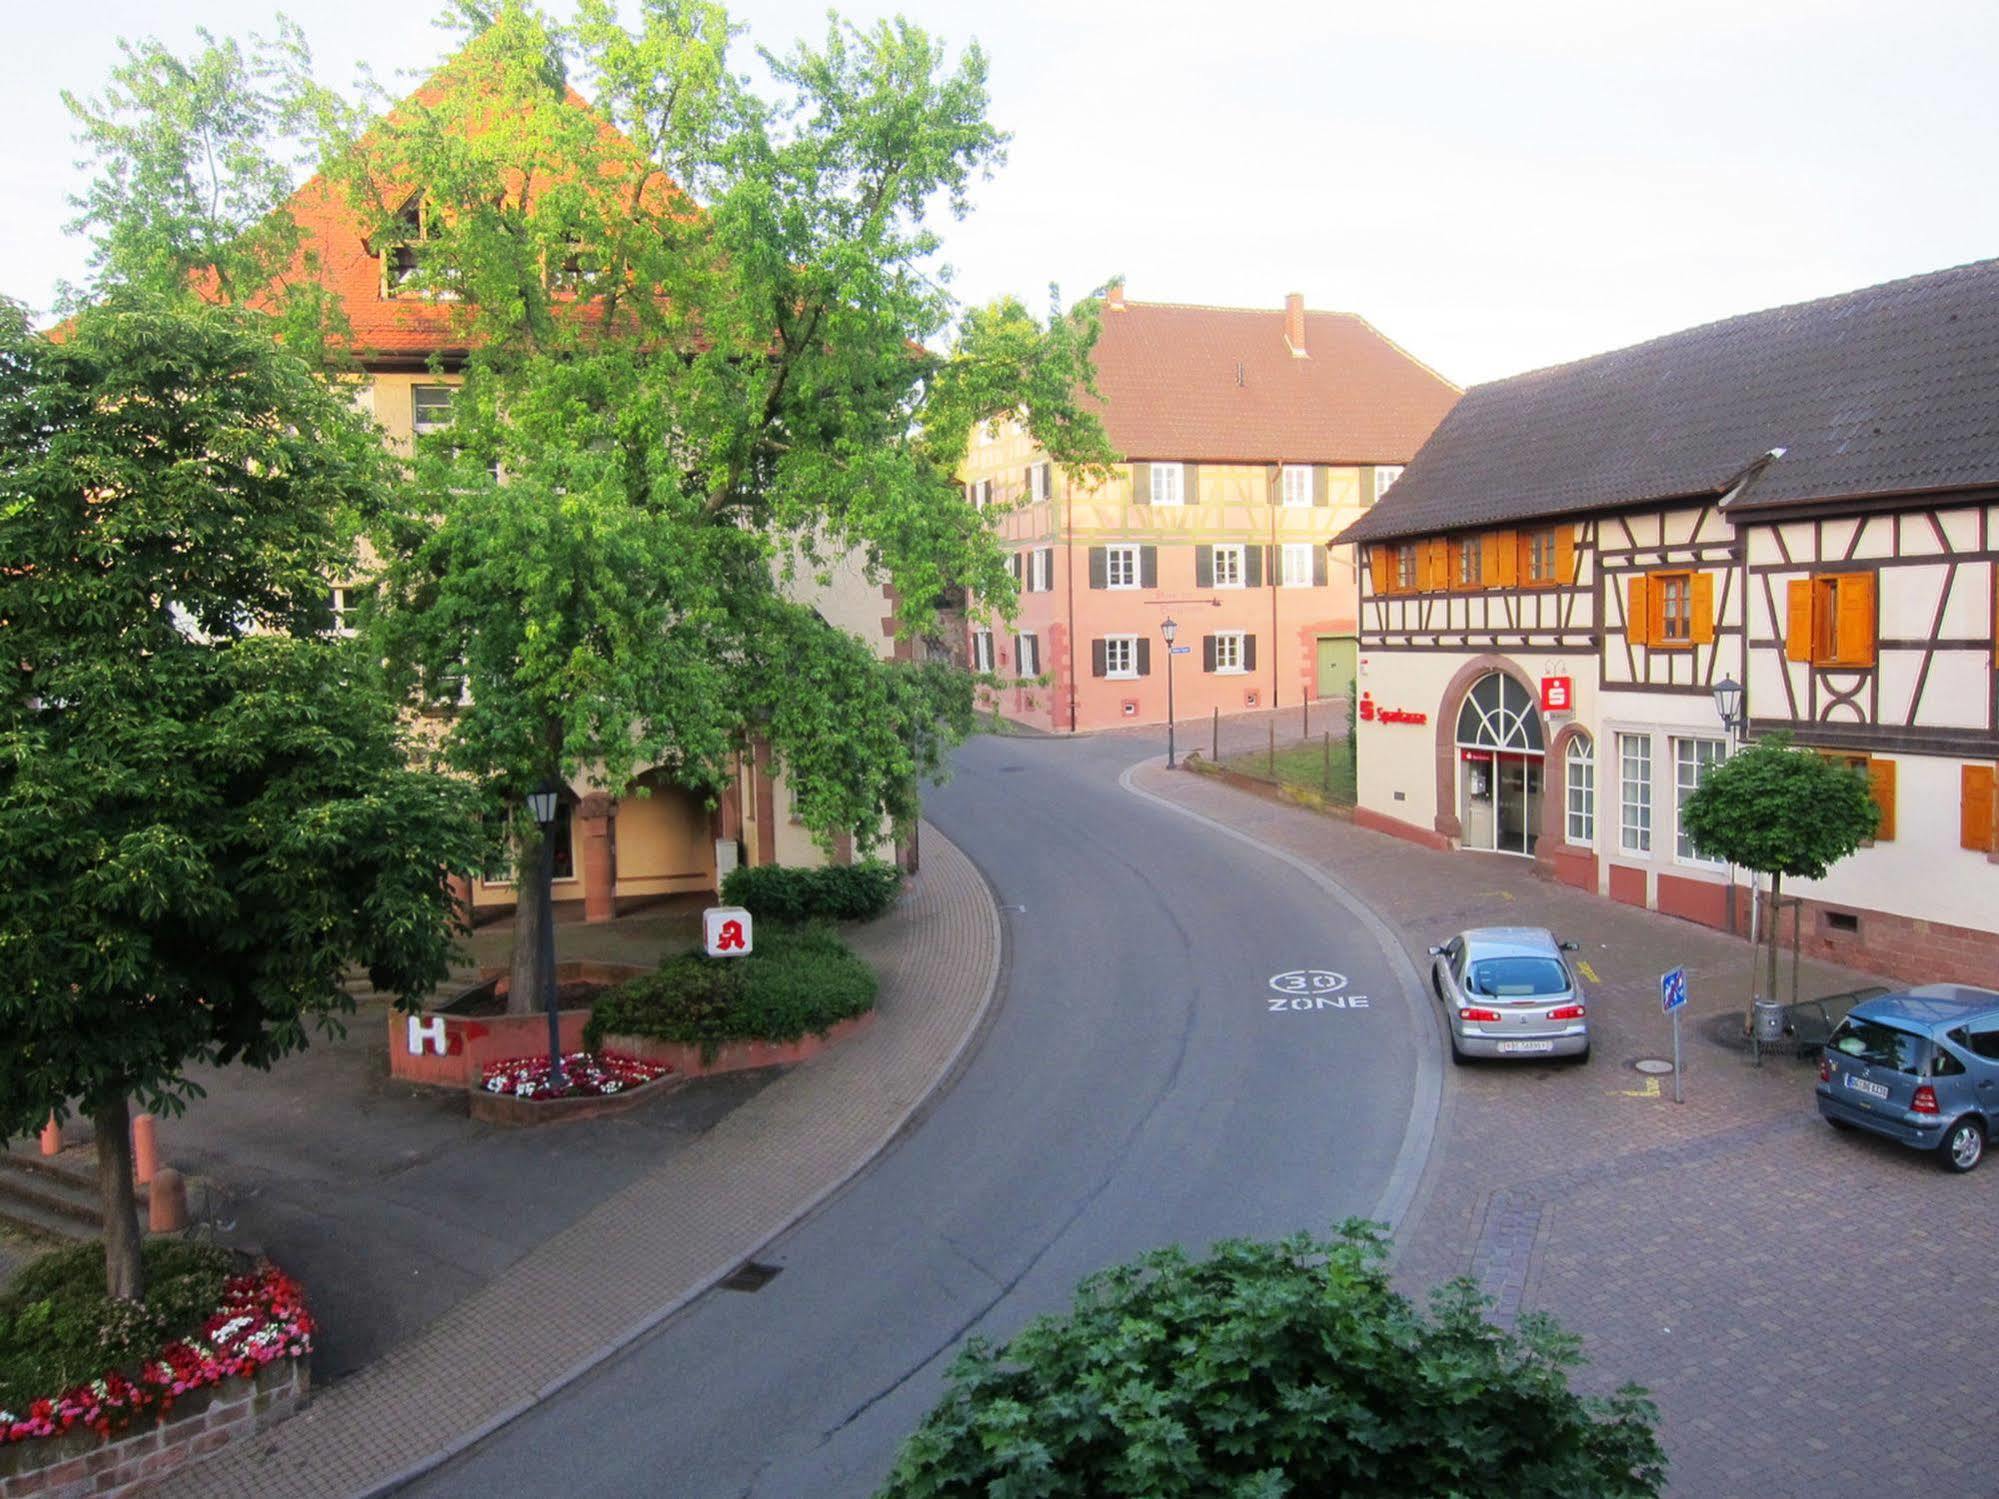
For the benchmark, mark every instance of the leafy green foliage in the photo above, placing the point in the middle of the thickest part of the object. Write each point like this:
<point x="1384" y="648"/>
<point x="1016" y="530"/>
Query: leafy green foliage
<point x="58" y="1328"/>
<point x="1270" y="1369"/>
<point x="778" y="892"/>
<point x="796" y="983"/>
<point x="1781" y="810"/>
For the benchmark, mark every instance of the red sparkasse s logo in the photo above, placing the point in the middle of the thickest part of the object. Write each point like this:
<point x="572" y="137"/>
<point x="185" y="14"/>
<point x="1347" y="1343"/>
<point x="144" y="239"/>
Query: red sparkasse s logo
<point x="1557" y="694"/>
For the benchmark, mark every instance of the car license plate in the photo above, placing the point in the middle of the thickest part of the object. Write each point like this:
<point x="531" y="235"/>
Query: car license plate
<point x="1861" y="1085"/>
<point x="1528" y="1046"/>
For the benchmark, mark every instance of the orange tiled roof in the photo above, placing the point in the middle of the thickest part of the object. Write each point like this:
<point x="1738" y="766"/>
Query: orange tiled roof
<point x="1220" y="384"/>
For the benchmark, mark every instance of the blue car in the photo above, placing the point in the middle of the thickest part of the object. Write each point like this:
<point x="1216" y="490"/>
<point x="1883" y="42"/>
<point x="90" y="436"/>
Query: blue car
<point x="1920" y="1067"/>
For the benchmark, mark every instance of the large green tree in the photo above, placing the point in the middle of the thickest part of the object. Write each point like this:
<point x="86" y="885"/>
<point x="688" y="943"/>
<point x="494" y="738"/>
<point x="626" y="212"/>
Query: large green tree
<point x="1270" y="1369"/>
<point x="206" y="805"/>
<point x="696" y="331"/>
<point x="1780" y="810"/>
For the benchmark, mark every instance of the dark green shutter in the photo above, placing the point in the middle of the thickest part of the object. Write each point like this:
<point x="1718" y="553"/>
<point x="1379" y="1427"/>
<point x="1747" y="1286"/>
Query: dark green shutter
<point x="1318" y="567"/>
<point x="1190" y="483"/>
<point x="1273" y="484"/>
<point x="1204" y="567"/>
<point x="1148" y="567"/>
<point x="1145" y="655"/>
<point x="1096" y="658"/>
<point x="1141" y="484"/>
<point x="1098" y="572"/>
<point x="1207" y="653"/>
<point x="1249" y="653"/>
<point x="1252" y="567"/>
<point x="1322" y="487"/>
<point x="1367" y="484"/>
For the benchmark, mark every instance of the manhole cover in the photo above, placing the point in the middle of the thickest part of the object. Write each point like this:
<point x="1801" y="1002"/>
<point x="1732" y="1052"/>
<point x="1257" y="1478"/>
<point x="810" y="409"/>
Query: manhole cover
<point x="1654" y="1065"/>
<point x="754" y="1275"/>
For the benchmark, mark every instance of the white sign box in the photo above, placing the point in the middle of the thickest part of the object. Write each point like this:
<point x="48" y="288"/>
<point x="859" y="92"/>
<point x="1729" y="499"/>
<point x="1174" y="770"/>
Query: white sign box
<point x="727" y="931"/>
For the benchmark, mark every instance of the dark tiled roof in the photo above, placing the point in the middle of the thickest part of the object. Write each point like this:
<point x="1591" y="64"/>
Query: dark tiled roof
<point x="1889" y="390"/>
<point x="1169" y="374"/>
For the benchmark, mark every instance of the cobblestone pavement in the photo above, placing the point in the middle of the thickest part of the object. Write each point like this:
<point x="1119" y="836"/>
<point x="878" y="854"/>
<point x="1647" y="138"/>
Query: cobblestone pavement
<point x="1814" y="1313"/>
<point x="671" y="1234"/>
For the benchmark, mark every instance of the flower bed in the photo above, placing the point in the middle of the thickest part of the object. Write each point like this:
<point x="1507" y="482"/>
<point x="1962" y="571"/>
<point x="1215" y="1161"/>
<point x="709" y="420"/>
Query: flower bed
<point x="587" y="1074"/>
<point x="262" y="1319"/>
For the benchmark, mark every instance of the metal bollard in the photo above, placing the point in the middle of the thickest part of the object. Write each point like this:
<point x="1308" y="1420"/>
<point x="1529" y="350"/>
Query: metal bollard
<point x="52" y="1137"/>
<point x="145" y="1149"/>
<point x="166" y="1202"/>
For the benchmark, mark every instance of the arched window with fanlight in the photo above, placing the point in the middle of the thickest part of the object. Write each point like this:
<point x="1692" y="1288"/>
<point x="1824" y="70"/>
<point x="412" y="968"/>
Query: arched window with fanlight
<point x="1500" y="714"/>
<point x="1579" y="784"/>
<point x="1500" y="749"/>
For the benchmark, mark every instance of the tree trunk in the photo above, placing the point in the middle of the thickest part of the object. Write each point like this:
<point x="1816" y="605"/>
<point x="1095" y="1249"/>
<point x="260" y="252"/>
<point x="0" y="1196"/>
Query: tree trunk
<point x="124" y="1271"/>
<point x="524" y="995"/>
<point x="1776" y="884"/>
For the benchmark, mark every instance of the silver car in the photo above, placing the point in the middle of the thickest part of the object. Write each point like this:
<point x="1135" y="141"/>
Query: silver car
<point x="1508" y="992"/>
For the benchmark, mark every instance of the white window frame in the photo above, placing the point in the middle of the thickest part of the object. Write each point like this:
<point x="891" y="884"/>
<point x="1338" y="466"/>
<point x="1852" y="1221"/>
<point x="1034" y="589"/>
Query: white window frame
<point x="1164" y="493"/>
<point x="1126" y="553"/>
<point x="418" y="425"/>
<point x="1385" y="475"/>
<point x="343" y="605"/>
<point x="1237" y="554"/>
<point x="982" y="650"/>
<point x="1579" y="792"/>
<point x="1037" y="570"/>
<point x="1634" y="796"/>
<point x="1127" y="647"/>
<point x="1294" y="564"/>
<point x="1026" y="644"/>
<point x="1296" y="485"/>
<point x="1229" y="653"/>
<point x="1040" y="484"/>
<point x="1717" y="751"/>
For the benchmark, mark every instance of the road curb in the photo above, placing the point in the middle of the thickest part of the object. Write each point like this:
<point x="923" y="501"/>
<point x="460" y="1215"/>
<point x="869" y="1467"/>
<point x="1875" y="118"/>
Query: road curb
<point x="1419" y="1131"/>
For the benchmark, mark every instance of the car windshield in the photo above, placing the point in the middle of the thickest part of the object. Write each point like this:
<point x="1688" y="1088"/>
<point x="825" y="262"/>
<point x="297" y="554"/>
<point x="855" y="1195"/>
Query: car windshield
<point x="1878" y="1045"/>
<point x="1518" y="978"/>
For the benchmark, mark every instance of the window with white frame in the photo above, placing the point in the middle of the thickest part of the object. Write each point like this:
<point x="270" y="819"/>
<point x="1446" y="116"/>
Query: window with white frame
<point x="982" y="650"/>
<point x="1692" y="760"/>
<point x="1634" y="795"/>
<point x="1297" y="484"/>
<point x="1168" y="484"/>
<point x="1579" y="784"/>
<point x="1037" y="570"/>
<point x="1384" y="476"/>
<point x="1027" y="655"/>
<point x="1037" y="481"/>
<point x="1121" y="567"/>
<point x="1296" y="562"/>
<point x="1228" y="651"/>
<point x="1120" y="655"/>
<point x="1228" y="566"/>
<point x="346" y="603"/>
<point x="430" y="408"/>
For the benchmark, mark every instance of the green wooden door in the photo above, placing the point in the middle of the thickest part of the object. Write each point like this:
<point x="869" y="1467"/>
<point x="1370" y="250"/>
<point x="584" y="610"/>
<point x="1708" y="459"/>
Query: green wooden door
<point x="1339" y="660"/>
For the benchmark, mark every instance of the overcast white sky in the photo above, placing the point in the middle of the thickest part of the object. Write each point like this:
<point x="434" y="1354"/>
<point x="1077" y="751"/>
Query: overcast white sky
<point x="1496" y="186"/>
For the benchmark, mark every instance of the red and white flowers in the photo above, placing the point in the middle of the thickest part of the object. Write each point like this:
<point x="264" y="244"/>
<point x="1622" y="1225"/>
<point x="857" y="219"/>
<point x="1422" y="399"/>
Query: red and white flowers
<point x="587" y="1075"/>
<point x="262" y="1319"/>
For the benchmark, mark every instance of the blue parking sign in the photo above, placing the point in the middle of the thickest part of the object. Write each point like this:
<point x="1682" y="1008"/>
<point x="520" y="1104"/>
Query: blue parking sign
<point x="1672" y="990"/>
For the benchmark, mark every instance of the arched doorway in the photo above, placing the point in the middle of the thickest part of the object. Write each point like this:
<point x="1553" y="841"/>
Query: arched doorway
<point x="1500" y="749"/>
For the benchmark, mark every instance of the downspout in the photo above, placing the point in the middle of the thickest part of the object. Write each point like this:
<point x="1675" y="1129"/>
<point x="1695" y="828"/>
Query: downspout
<point x="1276" y="561"/>
<point x="1069" y="550"/>
<point x="1733" y="491"/>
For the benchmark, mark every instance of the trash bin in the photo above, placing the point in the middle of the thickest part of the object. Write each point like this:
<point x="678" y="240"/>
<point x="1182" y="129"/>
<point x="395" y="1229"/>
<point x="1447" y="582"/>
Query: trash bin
<point x="1766" y="1022"/>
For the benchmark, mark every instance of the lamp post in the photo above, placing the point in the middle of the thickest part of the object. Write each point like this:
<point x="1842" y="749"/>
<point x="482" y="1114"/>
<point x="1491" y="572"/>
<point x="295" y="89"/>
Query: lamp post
<point x="1168" y="629"/>
<point x="542" y="804"/>
<point x="1728" y="703"/>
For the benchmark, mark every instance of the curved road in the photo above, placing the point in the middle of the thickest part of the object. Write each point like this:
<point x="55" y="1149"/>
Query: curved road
<point x="1135" y="1088"/>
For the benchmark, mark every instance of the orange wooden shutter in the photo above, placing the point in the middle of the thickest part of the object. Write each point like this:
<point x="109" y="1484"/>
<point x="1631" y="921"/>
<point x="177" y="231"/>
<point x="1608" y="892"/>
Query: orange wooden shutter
<point x="1523" y="557"/>
<point x="1798" y="620"/>
<point x="1975" y="808"/>
<point x="1378" y="558"/>
<point x="1881" y="781"/>
<point x="1439" y="553"/>
<point x="1565" y="554"/>
<point x="1490" y="547"/>
<point x="1853" y="629"/>
<point x="1637" y="612"/>
<point x="1508" y="571"/>
<point x="1703" y="609"/>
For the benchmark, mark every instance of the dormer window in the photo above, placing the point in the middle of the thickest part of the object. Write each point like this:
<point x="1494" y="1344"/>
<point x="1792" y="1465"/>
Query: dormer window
<point x="409" y="229"/>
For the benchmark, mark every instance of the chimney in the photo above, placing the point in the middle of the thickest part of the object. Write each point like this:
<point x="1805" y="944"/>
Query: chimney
<point x="1114" y="298"/>
<point x="1294" y="324"/>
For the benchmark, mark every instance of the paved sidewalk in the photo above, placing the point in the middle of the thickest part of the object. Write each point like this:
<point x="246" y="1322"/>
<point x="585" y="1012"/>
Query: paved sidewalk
<point x="1814" y="1313"/>
<point x="660" y="1242"/>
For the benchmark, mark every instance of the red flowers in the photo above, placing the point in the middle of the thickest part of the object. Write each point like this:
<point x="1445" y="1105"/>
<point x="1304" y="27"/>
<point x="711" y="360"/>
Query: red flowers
<point x="262" y="1318"/>
<point x="586" y="1073"/>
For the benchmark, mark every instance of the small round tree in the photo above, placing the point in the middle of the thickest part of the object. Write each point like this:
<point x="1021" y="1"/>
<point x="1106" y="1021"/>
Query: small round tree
<point x="1271" y="1369"/>
<point x="1781" y="811"/>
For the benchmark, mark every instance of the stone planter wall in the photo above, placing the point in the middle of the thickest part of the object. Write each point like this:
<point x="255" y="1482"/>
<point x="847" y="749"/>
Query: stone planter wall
<point x="738" y="1056"/>
<point x="201" y="1422"/>
<point x="452" y="1051"/>
<point x="504" y="1108"/>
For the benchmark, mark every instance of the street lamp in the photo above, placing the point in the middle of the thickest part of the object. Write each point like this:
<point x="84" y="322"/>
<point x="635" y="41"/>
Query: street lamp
<point x="542" y="804"/>
<point x="1728" y="703"/>
<point x="1169" y="629"/>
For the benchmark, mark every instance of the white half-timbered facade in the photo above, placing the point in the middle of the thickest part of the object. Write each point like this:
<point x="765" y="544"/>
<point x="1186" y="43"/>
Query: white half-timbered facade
<point x="1804" y="502"/>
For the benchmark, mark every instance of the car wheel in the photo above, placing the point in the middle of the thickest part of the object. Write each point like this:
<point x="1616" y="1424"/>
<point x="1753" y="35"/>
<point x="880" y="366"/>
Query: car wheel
<point x="1581" y="1058"/>
<point x="1458" y="1056"/>
<point x="1963" y="1145"/>
<point x="1841" y="1125"/>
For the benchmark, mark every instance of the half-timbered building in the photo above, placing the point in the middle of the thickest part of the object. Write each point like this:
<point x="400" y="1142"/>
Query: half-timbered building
<point x="1802" y="502"/>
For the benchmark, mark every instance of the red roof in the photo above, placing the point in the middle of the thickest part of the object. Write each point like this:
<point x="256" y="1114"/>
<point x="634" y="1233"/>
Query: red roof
<point x="1222" y="385"/>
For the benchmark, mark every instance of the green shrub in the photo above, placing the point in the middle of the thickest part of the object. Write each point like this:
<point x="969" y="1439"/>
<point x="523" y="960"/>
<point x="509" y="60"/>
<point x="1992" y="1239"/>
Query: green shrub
<point x="778" y="892"/>
<point x="796" y="983"/>
<point x="58" y="1328"/>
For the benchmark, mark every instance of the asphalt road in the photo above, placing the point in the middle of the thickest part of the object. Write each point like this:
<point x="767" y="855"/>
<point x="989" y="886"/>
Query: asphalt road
<point x="1141" y="1082"/>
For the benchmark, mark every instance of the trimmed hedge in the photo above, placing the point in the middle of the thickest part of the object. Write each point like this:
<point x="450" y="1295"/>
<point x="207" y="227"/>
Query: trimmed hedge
<point x="795" y="983"/>
<point x="58" y="1328"/>
<point x="778" y="892"/>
